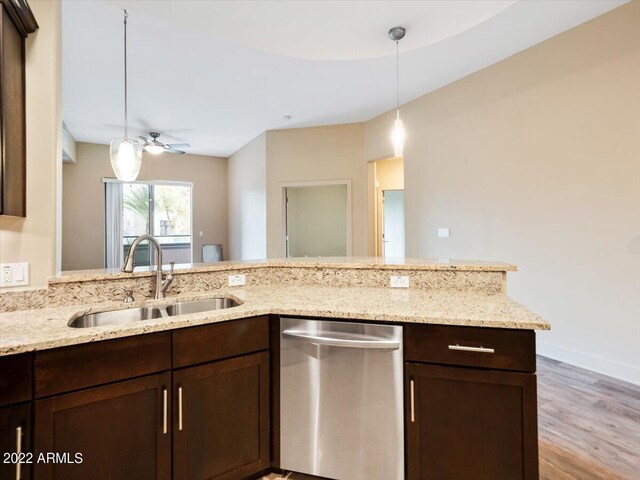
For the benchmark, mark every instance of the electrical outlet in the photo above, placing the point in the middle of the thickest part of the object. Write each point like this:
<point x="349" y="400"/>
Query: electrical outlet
<point x="399" y="281"/>
<point x="6" y="275"/>
<point x="14" y="274"/>
<point x="237" y="280"/>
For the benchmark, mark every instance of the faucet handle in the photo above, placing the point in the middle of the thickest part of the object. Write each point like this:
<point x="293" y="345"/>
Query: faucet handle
<point x="128" y="294"/>
<point x="171" y="267"/>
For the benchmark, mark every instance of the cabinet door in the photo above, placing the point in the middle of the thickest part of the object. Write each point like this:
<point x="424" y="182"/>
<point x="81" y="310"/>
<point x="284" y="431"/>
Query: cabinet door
<point x="15" y="437"/>
<point x="12" y="118"/>
<point x="465" y="423"/>
<point x="221" y="419"/>
<point x="122" y="431"/>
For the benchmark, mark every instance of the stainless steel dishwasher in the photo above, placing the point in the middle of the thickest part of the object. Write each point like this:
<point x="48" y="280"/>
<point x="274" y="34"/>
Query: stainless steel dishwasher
<point x="341" y="401"/>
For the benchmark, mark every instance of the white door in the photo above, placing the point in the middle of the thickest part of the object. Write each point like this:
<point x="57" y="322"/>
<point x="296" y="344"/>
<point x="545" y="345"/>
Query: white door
<point x="393" y="223"/>
<point x="316" y="221"/>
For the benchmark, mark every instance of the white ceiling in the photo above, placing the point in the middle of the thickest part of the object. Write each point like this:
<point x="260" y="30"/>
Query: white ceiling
<point x="218" y="73"/>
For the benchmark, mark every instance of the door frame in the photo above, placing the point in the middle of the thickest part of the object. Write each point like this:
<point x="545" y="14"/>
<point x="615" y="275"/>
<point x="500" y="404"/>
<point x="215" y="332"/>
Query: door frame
<point x="313" y="183"/>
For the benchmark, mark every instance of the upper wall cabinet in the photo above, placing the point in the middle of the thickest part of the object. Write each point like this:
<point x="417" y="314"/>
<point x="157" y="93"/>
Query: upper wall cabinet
<point x="16" y="23"/>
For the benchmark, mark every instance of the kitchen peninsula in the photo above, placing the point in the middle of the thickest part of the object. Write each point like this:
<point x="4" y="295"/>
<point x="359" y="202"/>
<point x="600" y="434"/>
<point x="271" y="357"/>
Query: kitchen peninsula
<point x="468" y="366"/>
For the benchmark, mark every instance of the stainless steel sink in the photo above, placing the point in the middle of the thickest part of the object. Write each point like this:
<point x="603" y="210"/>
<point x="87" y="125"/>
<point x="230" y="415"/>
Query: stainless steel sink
<point x="130" y="315"/>
<point x="117" y="317"/>
<point x="195" y="306"/>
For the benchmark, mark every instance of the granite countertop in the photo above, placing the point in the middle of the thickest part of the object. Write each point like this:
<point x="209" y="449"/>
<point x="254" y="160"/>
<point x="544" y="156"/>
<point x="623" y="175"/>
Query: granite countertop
<point x="42" y="329"/>
<point x="362" y="263"/>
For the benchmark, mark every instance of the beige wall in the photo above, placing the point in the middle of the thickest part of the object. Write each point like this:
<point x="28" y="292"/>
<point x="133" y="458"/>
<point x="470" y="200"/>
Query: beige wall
<point x="33" y="239"/>
<point x="83" y="200"/>
<point x="247" y="180"/>
<point x="316" y="154"/>
<point x="536" y="161"/>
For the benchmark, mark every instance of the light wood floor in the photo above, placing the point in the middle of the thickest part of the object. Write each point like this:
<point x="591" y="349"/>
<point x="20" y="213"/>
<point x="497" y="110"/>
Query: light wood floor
<point x="589" y="425"/>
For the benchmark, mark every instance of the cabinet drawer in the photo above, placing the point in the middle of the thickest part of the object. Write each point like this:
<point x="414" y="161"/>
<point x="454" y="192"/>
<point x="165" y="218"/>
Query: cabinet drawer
<point x="221" y="340"/>
<point x="16" y="374"/>
<point x="496" y="348"/>
<point x="87" y="365"/>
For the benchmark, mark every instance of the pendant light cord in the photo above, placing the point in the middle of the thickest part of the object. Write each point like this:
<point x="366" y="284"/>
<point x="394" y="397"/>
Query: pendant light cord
<point x="126" y="129"/>
<point x="397" y="75"/>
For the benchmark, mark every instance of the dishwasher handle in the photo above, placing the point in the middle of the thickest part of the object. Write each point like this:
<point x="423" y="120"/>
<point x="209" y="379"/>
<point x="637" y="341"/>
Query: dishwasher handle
<point x="355" y="342"/>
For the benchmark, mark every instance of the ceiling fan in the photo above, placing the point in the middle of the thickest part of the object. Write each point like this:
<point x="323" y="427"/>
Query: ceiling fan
<point x="155" y="146"/>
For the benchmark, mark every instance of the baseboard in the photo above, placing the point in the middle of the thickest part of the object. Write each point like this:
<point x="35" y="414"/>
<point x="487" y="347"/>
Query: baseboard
<point x="621" y="371"/>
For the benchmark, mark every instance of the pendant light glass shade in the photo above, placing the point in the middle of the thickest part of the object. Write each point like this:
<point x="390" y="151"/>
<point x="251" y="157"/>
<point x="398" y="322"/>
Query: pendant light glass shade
<point x="126" y="158"/>
<point x="398" y="136"/>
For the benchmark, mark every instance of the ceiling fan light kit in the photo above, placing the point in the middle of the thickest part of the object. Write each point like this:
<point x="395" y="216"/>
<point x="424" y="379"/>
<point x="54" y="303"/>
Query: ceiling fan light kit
<point x="154" y="149"/>
<point x="155" y="146"/>
<point x="125" y="152"/>
<point x="397" y="134"/>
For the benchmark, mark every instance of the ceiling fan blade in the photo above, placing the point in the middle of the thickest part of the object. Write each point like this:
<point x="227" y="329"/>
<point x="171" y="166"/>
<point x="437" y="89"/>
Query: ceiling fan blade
<point x="173" y="150"/>
<point x="178" y="145"/>
<point x="144" y="138"/>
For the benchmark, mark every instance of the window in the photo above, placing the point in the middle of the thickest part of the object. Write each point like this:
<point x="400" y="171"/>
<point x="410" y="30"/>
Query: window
<point x="162" y="209"/>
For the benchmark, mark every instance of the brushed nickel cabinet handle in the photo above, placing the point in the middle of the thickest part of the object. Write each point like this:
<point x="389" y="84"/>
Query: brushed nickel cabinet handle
<point x="179" y="408"/>
<point x="164" y="410"/>
<point x="18" y="451"/>
<point x="413" y="401"/>
<point x="471" y="349"/>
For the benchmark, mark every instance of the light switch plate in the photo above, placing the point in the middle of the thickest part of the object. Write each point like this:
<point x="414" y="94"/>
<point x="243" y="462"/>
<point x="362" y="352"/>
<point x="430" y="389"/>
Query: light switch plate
<point x="443" y="232"/>
<point x="399" y="281"/>
<point x="14" y="274"/>
<point x="237" y="280"/>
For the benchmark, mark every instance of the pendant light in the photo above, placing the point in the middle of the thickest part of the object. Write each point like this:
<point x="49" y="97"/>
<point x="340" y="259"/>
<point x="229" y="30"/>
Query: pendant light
<point x="125" y="152"/>
<point x="397" y="136"/>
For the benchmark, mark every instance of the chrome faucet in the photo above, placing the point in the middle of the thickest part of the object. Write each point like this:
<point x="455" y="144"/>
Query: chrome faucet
<point x="162" y="281"/>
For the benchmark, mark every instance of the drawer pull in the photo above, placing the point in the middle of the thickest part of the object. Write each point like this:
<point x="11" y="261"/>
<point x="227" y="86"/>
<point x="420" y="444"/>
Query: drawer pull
<point x="18" y="451"/>
<point x="165" y="411"/>
<point x="471" y="349"/>
<point x="179" y="408"/>
<point x="413" y="401"/>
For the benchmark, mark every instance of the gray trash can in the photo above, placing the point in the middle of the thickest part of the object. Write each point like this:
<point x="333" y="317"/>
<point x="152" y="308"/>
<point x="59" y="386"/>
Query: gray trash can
<point x="212" y="253"/>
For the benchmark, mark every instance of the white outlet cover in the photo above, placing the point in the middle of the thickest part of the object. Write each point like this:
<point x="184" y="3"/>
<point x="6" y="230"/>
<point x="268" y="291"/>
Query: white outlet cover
<point x="443" y="232"/>
<point x="14" y="274"/>
<point x="237" y="280"/>
<point x="399" y="281"/>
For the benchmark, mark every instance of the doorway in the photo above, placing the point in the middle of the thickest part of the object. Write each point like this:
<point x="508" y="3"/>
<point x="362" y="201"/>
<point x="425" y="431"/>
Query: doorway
<point x="393" y="223"/>
<point x="386" y="208"/>
<point x="317" y="220"/>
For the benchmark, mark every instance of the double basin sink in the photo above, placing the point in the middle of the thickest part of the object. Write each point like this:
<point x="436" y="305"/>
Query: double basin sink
<point x="130" y="315"/>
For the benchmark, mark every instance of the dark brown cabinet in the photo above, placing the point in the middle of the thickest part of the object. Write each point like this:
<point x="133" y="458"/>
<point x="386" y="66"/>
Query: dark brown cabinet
<point x="16" y="23"/>
<point x="221" y="419"/>
<point x="119" y="405"/>
<point x="122" y="431"/>
<point x="468" y="423"/>
<point x="203" y="403"/>
<point x="15" y="440"/>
